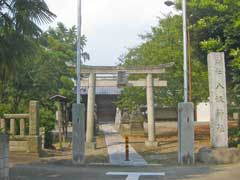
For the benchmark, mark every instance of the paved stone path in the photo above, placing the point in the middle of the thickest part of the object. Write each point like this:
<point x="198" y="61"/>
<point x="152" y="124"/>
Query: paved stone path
<point x="116" y="148"/>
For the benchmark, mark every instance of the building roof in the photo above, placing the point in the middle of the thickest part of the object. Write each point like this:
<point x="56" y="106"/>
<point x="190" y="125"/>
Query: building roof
<point x="58" y="97"/>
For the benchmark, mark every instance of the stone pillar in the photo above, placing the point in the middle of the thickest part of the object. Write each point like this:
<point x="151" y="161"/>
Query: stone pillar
<point x="12" y="127"/>
<point x="118" y="118"/>
<point x="42" y="134"/>
<point x="78" y="134"/>
<point x="34" y="140"/>
<point x="59" y="120"/>
<point x="3" y="125"/>
<point x="150" y="112"/>
<point x="33" y="118"/>
<point x="218" y="100"/>
<point x="4" y="157"/>
<point x="186" y="133"/>
<point x="22" y="127"/>
<point x="90" y="142"/>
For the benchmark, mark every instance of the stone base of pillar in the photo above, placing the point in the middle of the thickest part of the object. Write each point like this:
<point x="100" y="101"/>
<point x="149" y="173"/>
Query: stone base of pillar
<point x="151" y="143"/>
<point x="4" y="157"/>
<point x="34" y="145"/>
<point x="78" y="136"/>
<point x="90" y="145"/>
<point x="185" y="133"/>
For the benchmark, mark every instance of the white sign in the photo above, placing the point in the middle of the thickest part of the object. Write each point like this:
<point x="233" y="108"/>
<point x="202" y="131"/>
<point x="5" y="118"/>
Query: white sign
<point x="134" y="175"/>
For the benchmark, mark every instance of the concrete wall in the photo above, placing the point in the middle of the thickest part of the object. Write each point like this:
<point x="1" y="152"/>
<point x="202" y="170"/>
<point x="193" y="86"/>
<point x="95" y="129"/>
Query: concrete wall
<point x="4" y="154"/>
<point x="164" y="114"/>
<point x="203" y="112"/>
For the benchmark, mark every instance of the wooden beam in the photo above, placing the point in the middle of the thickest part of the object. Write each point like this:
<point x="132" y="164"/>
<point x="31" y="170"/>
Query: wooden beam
<point x="113" y="83"/>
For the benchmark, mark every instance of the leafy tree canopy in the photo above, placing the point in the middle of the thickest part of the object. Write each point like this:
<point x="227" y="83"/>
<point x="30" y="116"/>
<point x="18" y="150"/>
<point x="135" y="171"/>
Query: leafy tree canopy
<point x="19" y="26"/>
<point x="164" y="45"/>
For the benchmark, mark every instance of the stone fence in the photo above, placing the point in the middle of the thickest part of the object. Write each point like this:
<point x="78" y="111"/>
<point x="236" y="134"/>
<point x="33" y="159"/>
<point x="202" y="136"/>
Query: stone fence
<point x="4" y="154"/>
<point x="23" y="130"/>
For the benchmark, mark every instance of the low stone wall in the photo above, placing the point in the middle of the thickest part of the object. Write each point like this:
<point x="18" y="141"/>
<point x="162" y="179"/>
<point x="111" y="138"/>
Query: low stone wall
<point x="218" y="155"/>
<point x="166" y="114"/>
<point x="4" y="154"/>
<point x="24" y="130"/>
<point x="29" y="144"/>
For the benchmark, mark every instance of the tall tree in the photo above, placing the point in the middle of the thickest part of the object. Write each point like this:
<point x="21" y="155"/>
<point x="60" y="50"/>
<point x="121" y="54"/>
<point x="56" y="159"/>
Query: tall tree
<point x="164" y="45"/>
<point x="215" y="26"/>
<point x="19" y="25"/>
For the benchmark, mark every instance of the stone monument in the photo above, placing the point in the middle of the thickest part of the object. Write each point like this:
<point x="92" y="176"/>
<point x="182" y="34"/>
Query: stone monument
<point x="132" y="124"/>
<point x="136" y="123"/>
<point x="125" y="121"/>
<point x="118" y="118"/>
<point x="218" y="100"/>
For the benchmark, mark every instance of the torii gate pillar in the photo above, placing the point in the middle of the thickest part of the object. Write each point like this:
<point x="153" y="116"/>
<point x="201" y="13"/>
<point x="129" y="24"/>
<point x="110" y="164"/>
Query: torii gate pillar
<point x="90" y="141"/>
<point x="150" y="113"/>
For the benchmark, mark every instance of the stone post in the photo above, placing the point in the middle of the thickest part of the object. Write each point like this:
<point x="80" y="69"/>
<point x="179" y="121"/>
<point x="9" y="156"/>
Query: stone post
<point x="78" y="134"/>
<point x="3" y="125"/>
<point x="22" y="127"/>
<point x="118" y="118"/>
<point x="59" y="120"/>
<point x="42" y="134"/>
<point x="34" y="140"/>
<point x="218" y="100"/>
<point x="90" y="112"/>
<point x="186" y="133"/>
<point x="12" y="127"/>
<point x="4" y="157"/>
<point x="33" y="118"/>
<point x="150" y="113"/>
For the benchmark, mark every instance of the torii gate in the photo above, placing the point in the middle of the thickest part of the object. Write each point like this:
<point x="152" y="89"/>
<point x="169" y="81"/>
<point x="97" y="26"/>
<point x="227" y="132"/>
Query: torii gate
<point x="149" y="83"/>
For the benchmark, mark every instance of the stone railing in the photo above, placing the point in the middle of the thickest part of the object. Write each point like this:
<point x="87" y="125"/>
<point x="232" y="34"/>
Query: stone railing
<point x="4" y="156"/>
<point x="23" y="130"/>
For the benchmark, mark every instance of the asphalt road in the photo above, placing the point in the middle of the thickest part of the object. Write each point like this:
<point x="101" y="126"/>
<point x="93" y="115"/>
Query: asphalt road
<point x="61" y="172"/>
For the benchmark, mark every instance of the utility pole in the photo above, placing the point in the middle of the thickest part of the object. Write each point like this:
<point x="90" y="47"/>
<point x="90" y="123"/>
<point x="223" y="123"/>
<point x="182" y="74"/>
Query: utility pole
<point x="185" y="50"/>
<point x="79" y="34"/>
<point x="78" y="109"/>
<point x="189" y="66"/>
<point x="185" y="109"/>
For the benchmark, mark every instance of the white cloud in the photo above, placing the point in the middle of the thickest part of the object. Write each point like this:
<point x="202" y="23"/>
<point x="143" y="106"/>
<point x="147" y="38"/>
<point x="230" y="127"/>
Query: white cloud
<point x="110" y="25"/>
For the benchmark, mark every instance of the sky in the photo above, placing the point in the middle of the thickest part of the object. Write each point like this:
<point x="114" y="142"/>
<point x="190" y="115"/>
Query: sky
<point x="111" y="26"/>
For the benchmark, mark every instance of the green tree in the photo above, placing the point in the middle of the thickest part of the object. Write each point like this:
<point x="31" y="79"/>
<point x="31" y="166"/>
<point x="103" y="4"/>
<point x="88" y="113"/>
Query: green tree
<point x="43" y="75"/>
<point x="19" y="30"/>
<point x="19" y="26"/>
<point x="215" y="26"/>
<point x="164" y="45"/>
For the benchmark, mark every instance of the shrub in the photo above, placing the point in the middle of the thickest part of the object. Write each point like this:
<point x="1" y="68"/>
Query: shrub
<point x="47" y="119"/>
<point x="234" y="137"/>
